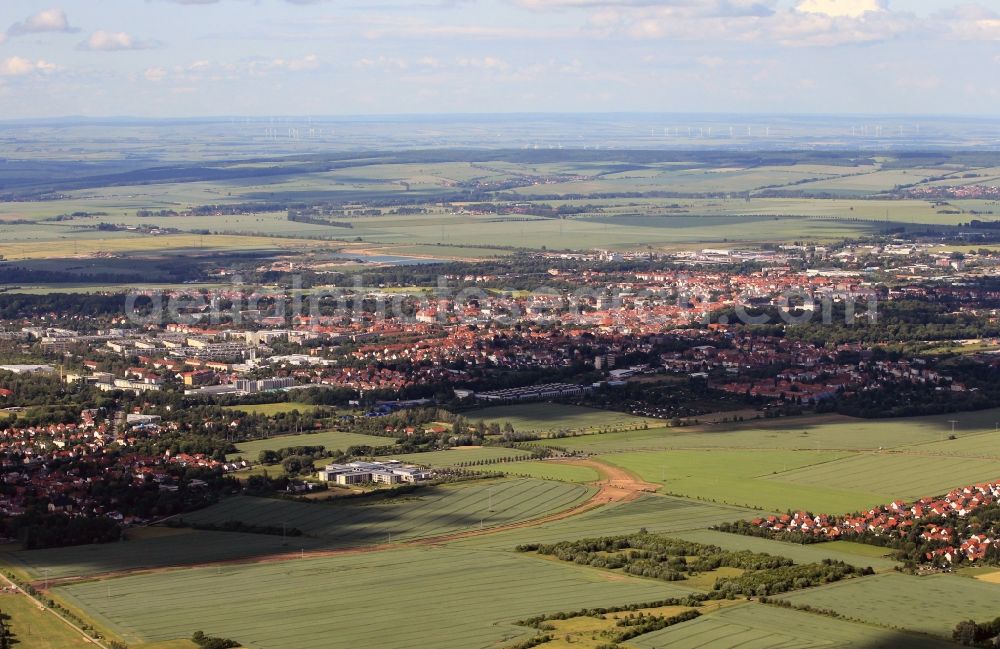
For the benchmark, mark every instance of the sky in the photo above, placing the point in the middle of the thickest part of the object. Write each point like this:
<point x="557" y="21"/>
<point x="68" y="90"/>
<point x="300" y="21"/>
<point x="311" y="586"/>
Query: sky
<point x="181" y="58"/>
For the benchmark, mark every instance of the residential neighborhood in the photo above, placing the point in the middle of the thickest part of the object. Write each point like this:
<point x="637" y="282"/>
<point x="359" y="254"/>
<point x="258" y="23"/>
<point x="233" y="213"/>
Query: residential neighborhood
<point x="943" y="522"/>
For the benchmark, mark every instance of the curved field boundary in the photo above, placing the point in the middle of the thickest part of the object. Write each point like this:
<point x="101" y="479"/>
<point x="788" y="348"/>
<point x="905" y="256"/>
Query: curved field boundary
<point x="616" y="485"/>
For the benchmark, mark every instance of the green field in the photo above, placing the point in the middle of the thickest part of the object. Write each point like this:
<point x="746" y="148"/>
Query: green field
<point x="548" y="471"/>
<point x="831" y="432"/>
<point x="932" y="604"/>
<point x="890" y="474"/>
<point x="970" y="445"/>
<point x="469" y="236"/>
<point x="831" y="464"/>
<point x="847" y="207"/>
<point x="736" y="222"/>
<point x="459" y="599"/>
<point x="662" y="514"/>
<point x="429" y="512"/>
<point x="38" y="629"/>
<point x="445" y="252"/>
<point x="866" y="183"/>
<point x="858" y="549"/>
<point x="757" y="626"/>
<point x="471" y="589"/>
<point x="743" y="478"/>
<point x="553" y="417"/>
<point x="464" y="576"/>
<point x="858" y="555"/>
<point x="270" y="409"/>
<point x="823" y="481"/>
<point x="656" y="513"/>
<point x="463" y="455"/>
<point x="431" y="568"/>
<point x="68" y="244"/>
<point x="190" y="547"/>
<point x="604" y="231"/>
<point x="333" y="440"/>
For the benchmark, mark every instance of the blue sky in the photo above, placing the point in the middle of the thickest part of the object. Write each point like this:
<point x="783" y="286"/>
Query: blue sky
<point x="169" y="58"/>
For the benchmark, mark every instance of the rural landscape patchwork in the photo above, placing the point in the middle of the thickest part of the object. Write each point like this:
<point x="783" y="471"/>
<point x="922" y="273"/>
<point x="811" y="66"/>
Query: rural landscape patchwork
<point x="329" y="343"/>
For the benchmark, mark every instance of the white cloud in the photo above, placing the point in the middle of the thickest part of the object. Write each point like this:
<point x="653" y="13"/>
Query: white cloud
<point x="802" y="29"/>
<point x="411" y="27"/>
<point x="308" y="62"/>
<point x="923" y="82"/>
<point x="648" y="28"/>
<point x="712" y="62"/>
<point x="396" y="63"/>
<point x="605" y="18"/>
<point x="485" y="63"/>
<point x="385" y="62"/>
<point x="800" y="23"/>
<point x="212" y="2"/>
<point x="792" y="27"/>
<point x="154" y="74"/>
<point x="557" y="4"/>
<point x="17" y="66"/>
<point x="105" y="41"/>
<point x="49" y="20"/>
<point x="970" y="22"/>
<point x="216" y="71"/>
<point x="703" y="7"/>
<point x="968" y="11"/>
<point x="842" y="8"/>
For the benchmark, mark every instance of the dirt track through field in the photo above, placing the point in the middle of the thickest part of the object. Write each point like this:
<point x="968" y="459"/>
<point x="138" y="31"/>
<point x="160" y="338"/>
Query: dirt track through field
<point x="616" y="485"/>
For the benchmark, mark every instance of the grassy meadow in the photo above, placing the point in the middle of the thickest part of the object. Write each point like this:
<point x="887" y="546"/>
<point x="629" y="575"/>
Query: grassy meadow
<point x="932" y="604"/>
<point x="461" y="599"/>
<point x="656" y="513"/>
<point x="429" y="512"/>
<point x="493" y="586"/>
<point x="190" y="546"/>
<point x="552" y="417"/>
<point x="388" y="576"/>
<point x="548" y="471"/>
<point x="34" y="628"/>
<point x="333" y="440"/>
<point x="843" y="207"/>
<point x="815" y="481"/>
<point x="758" y="626"/>
<point x="830" y="464"/>
<point x="461" y="455"/>
<point x="824" y="433"/>
<point x="852" y="553"/>
<point x="67" y="245"/>
<point x="893" y="475"/>
<point x="741" y="478"/>
<point x="271" y="409"/>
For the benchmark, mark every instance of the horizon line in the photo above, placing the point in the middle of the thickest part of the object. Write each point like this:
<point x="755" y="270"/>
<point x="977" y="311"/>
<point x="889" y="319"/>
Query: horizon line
<point x="511" y="114"/>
